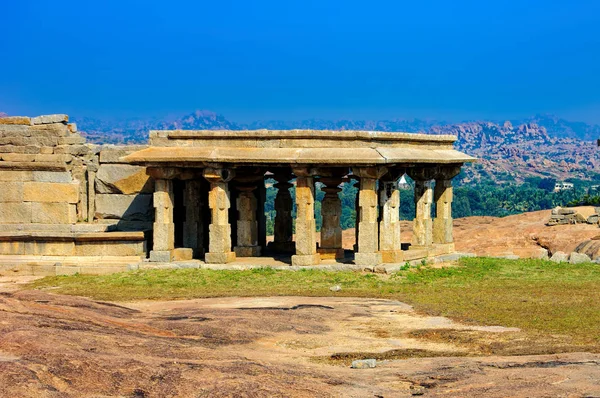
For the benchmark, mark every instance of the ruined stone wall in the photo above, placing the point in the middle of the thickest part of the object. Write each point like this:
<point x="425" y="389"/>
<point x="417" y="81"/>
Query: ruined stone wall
<point x="52" y="180"/>
<point x="43" y="170"/>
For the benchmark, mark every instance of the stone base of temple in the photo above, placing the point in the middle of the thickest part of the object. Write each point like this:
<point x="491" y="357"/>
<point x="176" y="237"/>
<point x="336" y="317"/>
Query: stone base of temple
<point x="160" y="256"/>
<point x="328" y="253"/>
<point x="282" y="247"/>
<point x="182" y="254"/>
<point x="368" y="259"/>
<point x="392" y="256"/>
<point x="247" y="251"/>
<point x="306" y="259"/>
<point x="219" y="258"/>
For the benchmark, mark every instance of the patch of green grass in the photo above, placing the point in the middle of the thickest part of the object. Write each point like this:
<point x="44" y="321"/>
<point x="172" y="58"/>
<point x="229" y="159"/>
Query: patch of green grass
<point x="537" y="296"/>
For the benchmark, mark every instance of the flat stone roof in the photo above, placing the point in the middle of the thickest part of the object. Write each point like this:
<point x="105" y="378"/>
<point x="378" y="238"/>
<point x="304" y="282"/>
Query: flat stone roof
<point x="310" y="147"/>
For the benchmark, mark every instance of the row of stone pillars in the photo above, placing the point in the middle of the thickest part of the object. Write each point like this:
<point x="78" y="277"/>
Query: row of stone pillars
<point x="377" y="227"/>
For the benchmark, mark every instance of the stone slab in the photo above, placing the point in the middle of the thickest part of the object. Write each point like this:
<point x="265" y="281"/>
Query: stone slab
<point x="219" y="258"/>
<point x="18" y="120"/>
<point x="182" y="254"/>
<point x="11" y="192"/>
<point x="160" y="256"/>
<point x="50" y="192"/>
<point x="53" y="213"/>
<point x="48" y="119"/>
<point x="126" y="207"/>
<point x="15" y="212"/>
<point x="123" y="179"/>
<point x="303" y="260"/>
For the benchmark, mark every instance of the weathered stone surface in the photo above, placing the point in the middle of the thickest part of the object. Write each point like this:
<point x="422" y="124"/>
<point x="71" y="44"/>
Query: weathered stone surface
<point x="109" y="248"/>
<point x="51" y="176"/>
<point x="160" y="256"/>
<point x="55" y="130"/>
<point x="283" y="225"/>
<point x="47" y="119"/>
<point x="20" y="120"/>
<point x="364" y="364"/>
<point x="422" y="224"/>
<point x="113" y="154"/>
<point x="121" y="178"/>
<point x="15" y="175"/>
<point x="247" y="225"/>
<point x="182" y="254"/>
<point x="15" y="212"/>
<point x="578" y="258"/>
<point x="331" y="210"/>
<point x="53" y="213"/>
<point x="368" y="233"/>
<point x="306" y="245"/>
<point x="26" y="141"/>
<point x="52" y="158"/>
<point x="41" y="248"/>
<point x="590" y="247"/>
<point x="126" y="207"/>
<point x="18" y="157"/>
<point x="164" y="236"/>
<point x="390" y="244"/>
<point x="559" y="257"/>
<point x="73" y="139"/>
<point x="50" y="192"/>
<point x="219" y="258"/>
<point x="75" y="150"/>
<point x="11" y="192"/>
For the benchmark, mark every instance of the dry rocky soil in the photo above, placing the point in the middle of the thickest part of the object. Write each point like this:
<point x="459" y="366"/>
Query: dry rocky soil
<point x="61" y="346"/>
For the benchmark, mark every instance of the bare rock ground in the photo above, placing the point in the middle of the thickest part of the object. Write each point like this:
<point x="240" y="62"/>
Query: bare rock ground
<point x="60" y="346"/>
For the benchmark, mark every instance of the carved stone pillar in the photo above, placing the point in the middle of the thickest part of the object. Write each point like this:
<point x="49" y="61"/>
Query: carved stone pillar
<point x="368" y="235"/>
<point x="390" y="243"/>
<point x="163" y="228"/>
<point x="422" y="224"/>
<point x="357" y="215"/>
<point x="283" y="226"/>
<point x="443" y="193"/>
<point x="306" y="245"/>
<point x="247" y="225"/>
<point x="331" y="230"/>
<point x="219" y="240"/>
<point x="192" y="226"/>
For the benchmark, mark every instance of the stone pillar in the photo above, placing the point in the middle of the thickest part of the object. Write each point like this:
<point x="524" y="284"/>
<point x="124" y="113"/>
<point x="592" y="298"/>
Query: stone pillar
<point x="91" y="208"/>
<point x="247" y="225"/>
<point x="357" y="216"/>
<point x="390" y="243"/>
<point x="331" y="230"/>
<point x="219" y="240"/>
<point x="260" y="213"/>
<point x="368" y="234"/>
<point x="306" y="244"/>
<point x="192" y="227"/>
<point x="163" y="228"/>
<point x="422" y="224"/>
<point x="283" y="226"/>
<point x="443" y="193"/>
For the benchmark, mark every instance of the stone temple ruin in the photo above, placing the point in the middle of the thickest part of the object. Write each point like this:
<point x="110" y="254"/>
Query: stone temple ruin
<point x="197" y="197"/>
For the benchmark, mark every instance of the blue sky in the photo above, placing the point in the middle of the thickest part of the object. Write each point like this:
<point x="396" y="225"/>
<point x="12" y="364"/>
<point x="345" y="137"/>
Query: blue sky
<point x="251" y="60"/>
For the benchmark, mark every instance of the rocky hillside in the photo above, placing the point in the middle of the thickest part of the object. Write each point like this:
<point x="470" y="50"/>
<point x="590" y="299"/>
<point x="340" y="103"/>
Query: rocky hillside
<point x="510" y="152"/>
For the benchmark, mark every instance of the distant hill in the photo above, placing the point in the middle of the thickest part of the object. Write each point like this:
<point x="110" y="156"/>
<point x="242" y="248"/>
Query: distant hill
<point x="2" y="114"/>
<point x="541" y="146"/>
